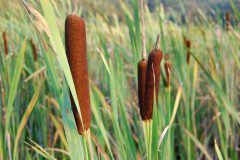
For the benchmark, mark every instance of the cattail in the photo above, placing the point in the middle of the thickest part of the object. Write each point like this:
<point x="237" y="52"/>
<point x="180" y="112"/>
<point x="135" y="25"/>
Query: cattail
<point x="168" y="68"/>
<point x="228" y="20"/>
<point x="76" y="49"/>
<point x="34" y="50"/>
<point x="152" y="81"/>
<point x="5" y="42"/>
<point x="188" y="44"/>
<point x="142" y="68"/>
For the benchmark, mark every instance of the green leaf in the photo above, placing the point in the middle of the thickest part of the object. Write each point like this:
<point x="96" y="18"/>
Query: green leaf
<point x="25" y="117"/>
<point x="218" y="150"/>
<point x="14" y="83"/>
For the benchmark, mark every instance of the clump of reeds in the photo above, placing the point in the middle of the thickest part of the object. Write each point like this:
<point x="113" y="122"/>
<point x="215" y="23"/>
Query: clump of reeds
<point x="76" y="49"/>
<point x="188" y="44"/>
<point x="152" y="81"/>
<point x="168" y="69"/>
<point x="34" y="50"/>
<point x="5" y="42"/>
<point x="228" y="20"/>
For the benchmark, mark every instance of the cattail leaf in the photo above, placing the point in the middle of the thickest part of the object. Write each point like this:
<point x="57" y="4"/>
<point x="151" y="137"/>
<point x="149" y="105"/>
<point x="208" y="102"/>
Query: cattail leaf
<point x="218" y="150"/>
<point x="162" y="136"/>
<point x="76" y="147"/>
<point x="59" y="129"/>
<point x="25" y="118"/>
<point x="14" y="83"/>
<point x="39" y="150"/>
<point x="58" y="47"/>
<point x="127" y="132"/>
<point x="99" y="121"/>
<point x="221" y="95"/>
<point x="198" y="144"/>
<point x="176" y="104"/>
<point x="235" y="9"/>
<point x="154" y="136"/>
<point x="74" y="142"/>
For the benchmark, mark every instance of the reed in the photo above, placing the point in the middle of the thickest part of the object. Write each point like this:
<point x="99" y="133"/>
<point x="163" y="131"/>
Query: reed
<point x="76" y="49"/>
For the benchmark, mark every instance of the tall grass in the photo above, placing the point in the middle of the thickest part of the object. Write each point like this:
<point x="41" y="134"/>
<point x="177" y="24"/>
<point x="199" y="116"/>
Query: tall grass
<point x="196" y="118"/>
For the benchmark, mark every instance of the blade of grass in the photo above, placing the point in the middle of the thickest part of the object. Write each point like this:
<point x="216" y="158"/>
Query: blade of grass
<point x="59" y="48"/>
<point x="14" y="83"/>
<point x="25" y="118"/>
<point x="218" y="150"/>
<point x="198" y="144"/>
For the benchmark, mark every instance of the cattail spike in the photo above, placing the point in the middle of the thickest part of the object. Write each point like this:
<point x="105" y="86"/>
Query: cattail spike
<point x="76" y="49"/>
<point x="152" y="81"/>
<point x="168" y="68"/>
<point x="5" y="42"/>
<point x="228" y="20"/>
<point x="188" y="44"/>
<point x="34" y="50"/>
<point x="142" y="68"/>
<point x="152" y="75"/>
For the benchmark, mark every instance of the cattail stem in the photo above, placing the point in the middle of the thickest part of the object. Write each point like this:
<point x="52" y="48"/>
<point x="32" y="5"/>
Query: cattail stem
<point x="170" y="137"/>
<point x="76" y="49"/>
<point x="144" y="52"/>
<point x="5" y="42"/>
<point x="75" y="6"/>
<point x="157" y="42"/>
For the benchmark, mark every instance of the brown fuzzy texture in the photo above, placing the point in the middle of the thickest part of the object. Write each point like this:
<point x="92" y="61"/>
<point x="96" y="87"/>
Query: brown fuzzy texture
<point x="5" y="42"/>
<point x="228" y="20"/>
<point x="142" y="69"/>
<point x="188" y="44"/>
<point x="76" y="49"/>
<point x="34" y="50"/>
<point x="153" y="72"/>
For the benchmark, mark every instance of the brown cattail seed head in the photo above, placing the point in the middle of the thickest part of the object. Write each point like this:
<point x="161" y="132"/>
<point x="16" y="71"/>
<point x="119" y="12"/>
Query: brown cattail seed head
<point x="5" y="42"/>
<point x="142" y="68"/>
<point x="76" y="49"/>
<point x="152" y="75"/>
<point x="34" y="50"/>
<point x="188" y="44"/>
<point x="228" y="20"/>
<point x="168" y="68"/>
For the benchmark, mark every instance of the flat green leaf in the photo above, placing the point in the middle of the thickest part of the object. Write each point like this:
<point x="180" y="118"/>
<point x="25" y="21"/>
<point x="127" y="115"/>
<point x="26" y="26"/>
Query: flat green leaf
<point x="14" y="83"/>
